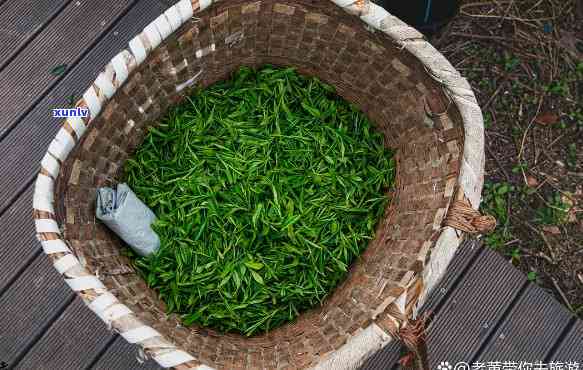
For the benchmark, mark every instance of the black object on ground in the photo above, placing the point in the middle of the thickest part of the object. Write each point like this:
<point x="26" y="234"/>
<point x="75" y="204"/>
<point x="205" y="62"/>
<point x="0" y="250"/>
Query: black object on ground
<point x="428" y="16"/>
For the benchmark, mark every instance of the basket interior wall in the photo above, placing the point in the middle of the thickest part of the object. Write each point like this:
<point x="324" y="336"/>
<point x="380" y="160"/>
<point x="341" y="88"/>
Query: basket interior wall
<point x="318" y="38"/>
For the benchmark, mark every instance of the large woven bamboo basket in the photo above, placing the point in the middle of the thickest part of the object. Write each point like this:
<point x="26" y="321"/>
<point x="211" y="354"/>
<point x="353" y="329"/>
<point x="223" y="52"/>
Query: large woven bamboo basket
<point x="426" y="110"/>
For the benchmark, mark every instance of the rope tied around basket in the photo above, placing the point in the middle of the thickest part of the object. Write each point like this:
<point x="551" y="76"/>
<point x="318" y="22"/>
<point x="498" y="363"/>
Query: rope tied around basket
<point x="413" y="337"/>
<point x="462" y="216"/>
<point x="411" y="333"/>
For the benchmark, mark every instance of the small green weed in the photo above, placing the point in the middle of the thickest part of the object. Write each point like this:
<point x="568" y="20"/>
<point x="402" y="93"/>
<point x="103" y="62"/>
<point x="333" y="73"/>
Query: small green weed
<point x="495" y="203"/>
<point x="532" y="275"/>
<point x="487" y="120"/>
<point x="496" y="200"/>
<point x="510" y="62"/>
<point x="559" y="87"/>
<point x="515" y="255"/>
<point x="554" y="212"/>
<point x="520" y="167"/>
<point x="526" y="191"/>
<point x="572" y="156"/>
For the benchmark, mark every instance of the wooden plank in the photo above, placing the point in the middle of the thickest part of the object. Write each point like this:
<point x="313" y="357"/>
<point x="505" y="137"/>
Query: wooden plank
<point x="21" y="21"/>
<point x="18" y="244"/>
<point x="472" y="310"/>
<point x="28" y="142"/>
<point x="72" y="342"/>
<point x="122" y="356"/>
<point x="570" y="348"/>
<point x="18" y="222"/>
<point x="64" y="41"/>
<point x="530" y="330"/>
<point x="384" y="358"/>
<point x="34" y="301"/>
<point x="465" y="256"/>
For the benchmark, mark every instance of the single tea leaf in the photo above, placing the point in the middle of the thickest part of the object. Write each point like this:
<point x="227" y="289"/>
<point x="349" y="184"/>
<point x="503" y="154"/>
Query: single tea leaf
<point x="59" y="70"/>
<point x="254" y="265"/>
<point x="257" y="277"/>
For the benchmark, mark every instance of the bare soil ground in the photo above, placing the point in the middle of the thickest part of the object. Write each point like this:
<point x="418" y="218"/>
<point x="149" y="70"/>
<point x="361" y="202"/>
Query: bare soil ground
<point x="524" y="59"/>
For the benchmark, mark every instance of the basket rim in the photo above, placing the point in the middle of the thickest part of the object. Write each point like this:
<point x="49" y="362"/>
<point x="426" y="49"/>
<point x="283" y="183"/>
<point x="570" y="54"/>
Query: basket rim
<point x="96" y="296"/>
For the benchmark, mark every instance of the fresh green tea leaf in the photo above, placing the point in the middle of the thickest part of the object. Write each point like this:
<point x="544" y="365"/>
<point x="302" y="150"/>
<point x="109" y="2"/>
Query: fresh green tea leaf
<point x="59" y="70"/>
<point x="266" y="188"/>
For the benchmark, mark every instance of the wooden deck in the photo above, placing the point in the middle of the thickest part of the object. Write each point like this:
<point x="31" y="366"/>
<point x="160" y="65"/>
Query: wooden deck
<point x="484" y="310"/>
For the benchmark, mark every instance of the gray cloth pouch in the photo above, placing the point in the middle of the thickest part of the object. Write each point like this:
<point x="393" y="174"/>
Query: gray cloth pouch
<point x="128" y="217"/>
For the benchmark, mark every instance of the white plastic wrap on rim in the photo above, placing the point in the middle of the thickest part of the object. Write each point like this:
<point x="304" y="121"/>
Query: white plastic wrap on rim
<point x="93" y="102"/>
<point x="174" y="17"/>
<point x="102" y="302"/>
<point x="120" y="64"/>
<point x="55" y="246"/>
<point x="163" y="26"/>
<point x="66" y="263"/>
<point x="173" y="358"/>
<point x="77" y="125"/>
<point x="46" y="226"/>
<point x="80" y="283"/>
<point x="138" y="49"/>
<point x="51" y="165"/>
<point x="185" y="9"/>
<point x="43" y="197"/>
<point x="153" y="35"/>
<point x="62" y="145"/>
<point x="356" y="350"/>
<point x="140" y="334"/>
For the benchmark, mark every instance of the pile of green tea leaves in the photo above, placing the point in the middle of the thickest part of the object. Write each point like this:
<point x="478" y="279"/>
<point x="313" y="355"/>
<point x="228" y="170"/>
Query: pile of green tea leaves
<point x="266" y="187"/>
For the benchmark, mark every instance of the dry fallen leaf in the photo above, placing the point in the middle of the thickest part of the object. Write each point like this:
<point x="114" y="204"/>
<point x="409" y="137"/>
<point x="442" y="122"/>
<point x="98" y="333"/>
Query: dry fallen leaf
<point x="552" y="230"/>
<point x="547" y="118"/>
<point x="570" y="201"/>
<point x="531" y="181"/>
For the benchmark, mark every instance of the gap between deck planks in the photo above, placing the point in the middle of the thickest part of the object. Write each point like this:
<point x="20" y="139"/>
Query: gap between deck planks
<point x="571" y="348"/>
<point x="35" y="300"/>
<point x="530" y="330"/>
<point x="71" y="342"/>
<point x="18" y="245"/>
<point x="473" y="309"/>
<point x="21" y="21"/>
<point x="120" y="356"/>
